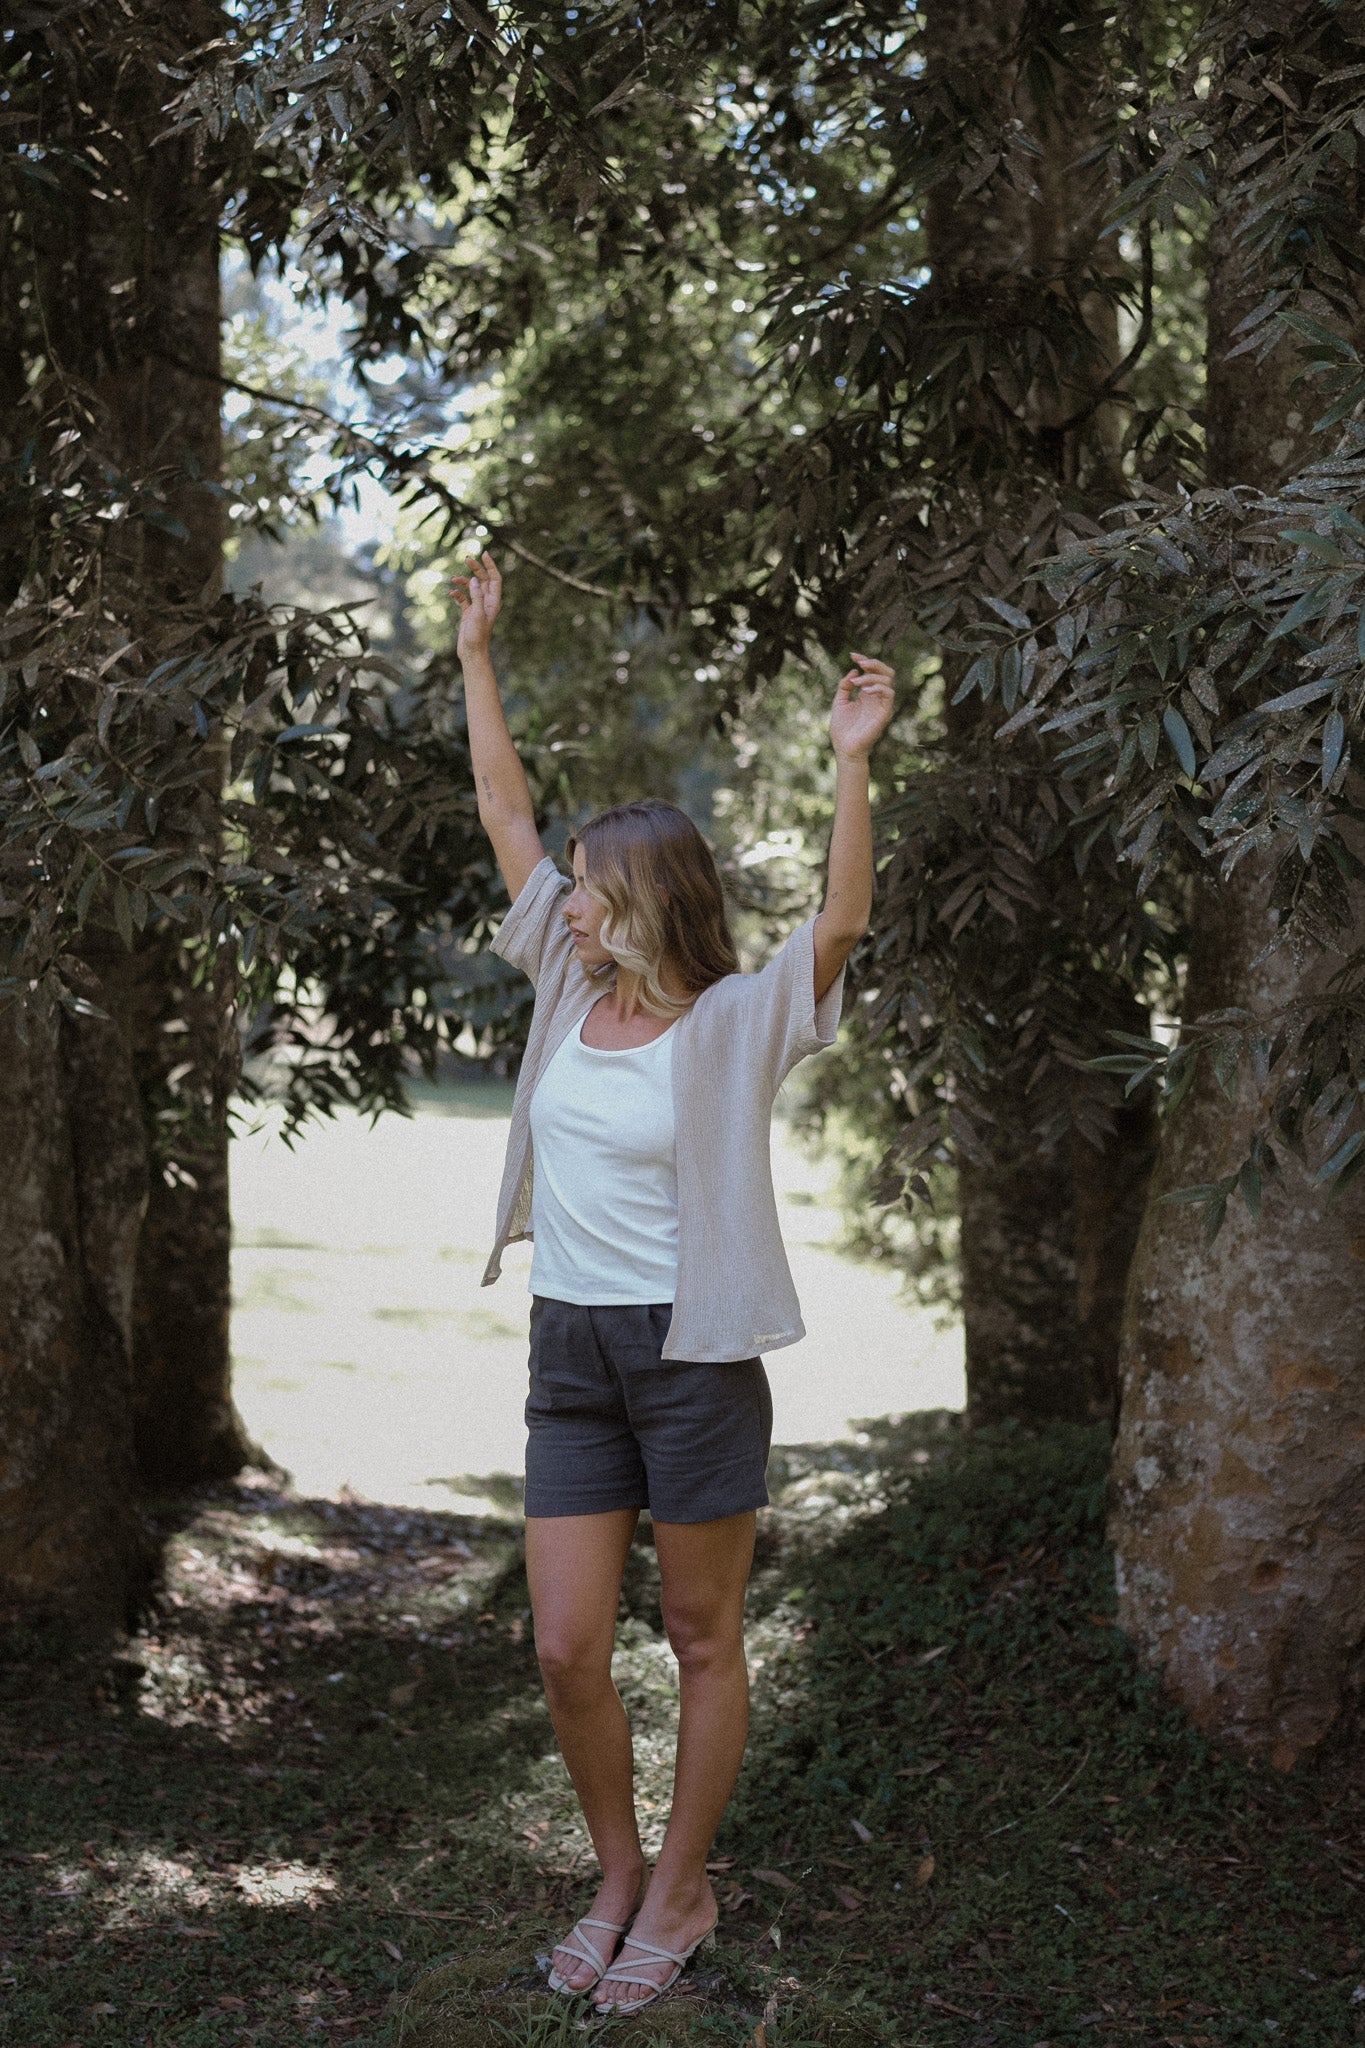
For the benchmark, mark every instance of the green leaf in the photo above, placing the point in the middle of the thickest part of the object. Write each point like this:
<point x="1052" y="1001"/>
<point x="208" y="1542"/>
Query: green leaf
<point x="1159" y="647"/>
<point x="1148" y="737"/>
<point x="87" y="890"/>
<point x="1213" y="1218"/>
<point x="1333" y="740"/>
<point x="1294" y="700"/>
<point x="1227" y="1059"/>
<point x="1234" y="754"/>
<point x="1343" y="1155"/>
<point x="1178" y="733"/>
<point x="1010" y="613"/>
<point x="1313" y="330"/>
<point x="1300" y="612"/>
<point x="123" y="914"/>
<point x="980" y="676"/>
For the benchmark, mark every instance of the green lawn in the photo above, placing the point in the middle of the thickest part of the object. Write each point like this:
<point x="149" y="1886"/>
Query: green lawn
<point x="317" y="1800"/>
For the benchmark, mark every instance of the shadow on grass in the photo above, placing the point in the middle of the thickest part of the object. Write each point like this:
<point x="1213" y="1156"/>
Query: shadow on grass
<point x="316" y="1800"/>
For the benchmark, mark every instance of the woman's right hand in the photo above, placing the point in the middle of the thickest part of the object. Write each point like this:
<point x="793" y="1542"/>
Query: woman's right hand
<point x="479" y="596"/>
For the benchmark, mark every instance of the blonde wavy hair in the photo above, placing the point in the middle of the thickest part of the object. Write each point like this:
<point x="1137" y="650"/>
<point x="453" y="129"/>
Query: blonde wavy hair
<point x="657" y="881"/>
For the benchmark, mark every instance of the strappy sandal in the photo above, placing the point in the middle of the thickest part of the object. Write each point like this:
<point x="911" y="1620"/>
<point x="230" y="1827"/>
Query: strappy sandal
<point x="577" y="1945"/>
<point x="633" y="1972"/>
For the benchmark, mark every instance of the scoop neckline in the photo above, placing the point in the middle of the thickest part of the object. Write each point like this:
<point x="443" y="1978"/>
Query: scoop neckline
<point x="614" y="1052"/>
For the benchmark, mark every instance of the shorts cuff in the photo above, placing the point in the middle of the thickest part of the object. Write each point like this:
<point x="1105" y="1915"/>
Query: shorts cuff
<point x="544" y="1504"/>
<point x="716" y="1507"/>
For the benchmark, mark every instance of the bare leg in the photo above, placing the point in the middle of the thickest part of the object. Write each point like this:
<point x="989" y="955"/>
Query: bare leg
<point x="574" y="1565"/>
<point x="705" y="1569"/>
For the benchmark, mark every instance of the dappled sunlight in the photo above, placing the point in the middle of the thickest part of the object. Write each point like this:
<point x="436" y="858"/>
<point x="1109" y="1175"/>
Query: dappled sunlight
<point x="320" y="1786"/>
<point x="283" y="1884"/>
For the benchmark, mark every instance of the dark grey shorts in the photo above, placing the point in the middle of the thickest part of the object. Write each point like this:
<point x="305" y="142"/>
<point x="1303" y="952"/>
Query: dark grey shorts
<point x="612" y="1424"/>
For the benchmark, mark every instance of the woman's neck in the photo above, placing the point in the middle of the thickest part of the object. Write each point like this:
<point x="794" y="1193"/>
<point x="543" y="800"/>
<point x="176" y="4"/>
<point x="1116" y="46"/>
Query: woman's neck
<point x="630" y="989"/>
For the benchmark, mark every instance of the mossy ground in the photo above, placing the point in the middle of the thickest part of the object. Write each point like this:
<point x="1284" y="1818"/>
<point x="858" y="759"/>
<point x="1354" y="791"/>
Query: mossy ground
<point x="317" y="1799"/>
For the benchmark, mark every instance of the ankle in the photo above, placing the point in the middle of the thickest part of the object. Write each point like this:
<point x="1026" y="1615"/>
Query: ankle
<point x="624" y="1876"/>
<point x="683" y="1892"/>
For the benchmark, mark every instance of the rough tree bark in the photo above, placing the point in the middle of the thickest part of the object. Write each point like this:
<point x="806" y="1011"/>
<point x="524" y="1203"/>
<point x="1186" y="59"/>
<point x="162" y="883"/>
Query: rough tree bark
<point x="113" y="1318"/>
<point x="1046" y="1237"/>
<point x="1239" y="1471"/>
<point x="72" y="1546"/>
<point x="137" y="313"/>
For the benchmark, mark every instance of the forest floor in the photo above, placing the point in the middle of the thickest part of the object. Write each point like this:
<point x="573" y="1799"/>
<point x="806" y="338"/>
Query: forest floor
<point x="316" y="1799"/>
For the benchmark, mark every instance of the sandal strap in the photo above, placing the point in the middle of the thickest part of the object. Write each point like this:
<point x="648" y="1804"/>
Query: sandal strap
<point x="583" y="1950"/>
<point x="626" y="1972"/>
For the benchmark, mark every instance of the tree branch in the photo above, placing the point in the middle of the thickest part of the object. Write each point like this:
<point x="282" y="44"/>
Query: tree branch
<point x="407" y="463"/>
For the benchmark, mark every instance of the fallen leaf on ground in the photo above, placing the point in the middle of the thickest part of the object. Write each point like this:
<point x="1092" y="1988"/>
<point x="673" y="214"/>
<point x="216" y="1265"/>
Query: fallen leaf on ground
<point x="863" y="1834"/>
<point x="786" y="1884"/>
<point x="393" y="1949"/>
<point x="847" y="1897"/>
<point x="932" y="1998"/>
<point x="925" y="1872"/>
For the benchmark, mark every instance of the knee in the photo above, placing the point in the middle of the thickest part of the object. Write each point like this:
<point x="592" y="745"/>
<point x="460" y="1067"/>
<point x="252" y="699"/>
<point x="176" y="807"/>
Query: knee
<point x="570" y="1669"/>
<point x="699" y="1645"/>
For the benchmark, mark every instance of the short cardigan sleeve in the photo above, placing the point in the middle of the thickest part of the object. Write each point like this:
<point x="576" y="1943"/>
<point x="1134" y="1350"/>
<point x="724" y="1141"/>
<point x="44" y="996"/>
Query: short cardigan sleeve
<point x="780" y="1006"/>
<point x="533" y="935"/>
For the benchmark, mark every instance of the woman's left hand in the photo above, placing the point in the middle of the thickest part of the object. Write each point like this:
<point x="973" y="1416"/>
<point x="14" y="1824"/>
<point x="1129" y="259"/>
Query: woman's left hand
<point x="862" y="709"/>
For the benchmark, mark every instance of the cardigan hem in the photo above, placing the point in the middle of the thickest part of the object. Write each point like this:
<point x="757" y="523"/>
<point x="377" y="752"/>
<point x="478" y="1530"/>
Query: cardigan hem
<point x="758" y="1348"/>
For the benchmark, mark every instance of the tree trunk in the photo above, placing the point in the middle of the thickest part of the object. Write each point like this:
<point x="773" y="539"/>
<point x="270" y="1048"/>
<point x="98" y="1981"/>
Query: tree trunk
<point x="151" y="350"/>
<point x="1046" y="1236"/>
<point x="114" y="1215"/>
<point x="71" y="1542"/>
<point x="186" y="1428"/>
<point x="1018" y="1258"/>
<point x="1239" y="1517"/>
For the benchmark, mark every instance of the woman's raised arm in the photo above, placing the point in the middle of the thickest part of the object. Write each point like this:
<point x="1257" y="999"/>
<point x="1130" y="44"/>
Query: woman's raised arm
<point x="505" y="808"/>
<point x="861" y="713"/>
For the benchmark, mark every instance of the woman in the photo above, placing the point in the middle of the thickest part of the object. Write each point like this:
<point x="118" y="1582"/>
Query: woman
<point x="658" y="1275"/>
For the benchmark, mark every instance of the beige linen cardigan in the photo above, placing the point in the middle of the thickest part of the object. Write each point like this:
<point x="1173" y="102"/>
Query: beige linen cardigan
<point x="731" y="1051"/>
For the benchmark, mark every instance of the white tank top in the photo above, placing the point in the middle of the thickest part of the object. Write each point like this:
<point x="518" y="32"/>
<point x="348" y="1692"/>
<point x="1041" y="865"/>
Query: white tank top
<point x="604" y="1203"/>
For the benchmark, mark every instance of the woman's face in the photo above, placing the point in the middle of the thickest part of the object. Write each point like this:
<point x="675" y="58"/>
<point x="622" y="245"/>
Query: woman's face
<point x="583" y="914"/>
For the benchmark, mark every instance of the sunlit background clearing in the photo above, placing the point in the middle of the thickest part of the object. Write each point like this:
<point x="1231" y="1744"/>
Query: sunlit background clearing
<point x="369" y="1356"/>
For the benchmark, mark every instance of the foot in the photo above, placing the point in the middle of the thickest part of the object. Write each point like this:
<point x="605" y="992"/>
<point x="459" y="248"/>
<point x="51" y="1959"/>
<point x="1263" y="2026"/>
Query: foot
<point x="674" y="1919"/>
<point x="616" y="1901"/>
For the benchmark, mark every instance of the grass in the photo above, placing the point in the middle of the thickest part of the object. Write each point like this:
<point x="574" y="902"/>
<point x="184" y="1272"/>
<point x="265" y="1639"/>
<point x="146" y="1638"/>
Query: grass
<point x="316" y="1801"/>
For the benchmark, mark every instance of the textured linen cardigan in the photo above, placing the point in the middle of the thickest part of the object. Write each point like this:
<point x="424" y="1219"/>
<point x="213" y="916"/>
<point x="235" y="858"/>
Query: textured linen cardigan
<point x="731" y="1051"/>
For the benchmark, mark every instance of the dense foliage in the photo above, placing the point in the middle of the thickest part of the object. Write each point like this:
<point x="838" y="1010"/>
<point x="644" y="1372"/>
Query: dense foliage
<point x="770" y="328"/>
